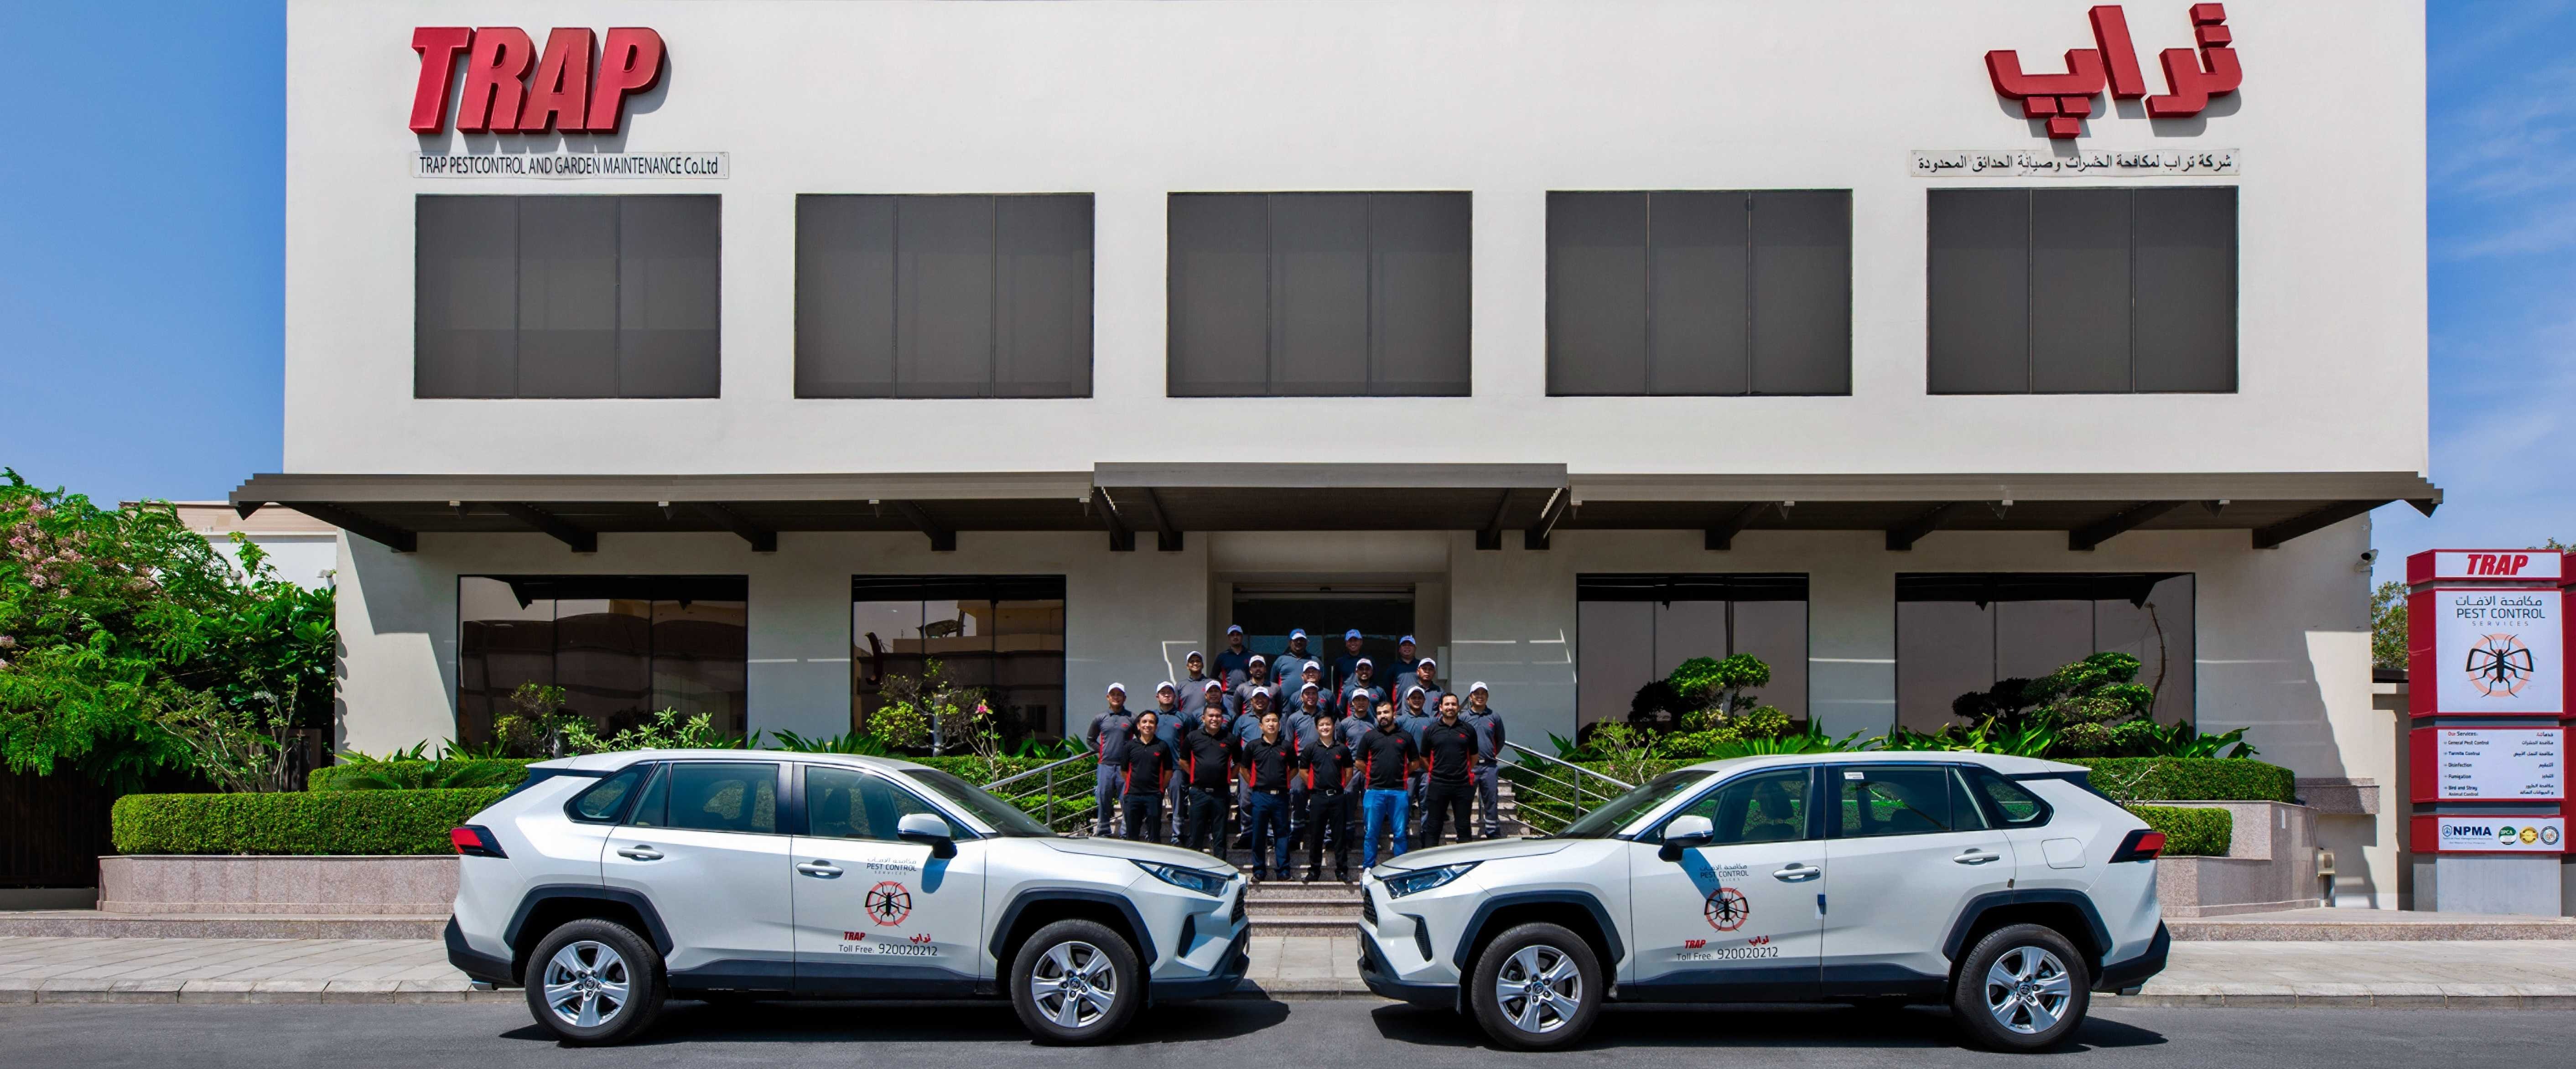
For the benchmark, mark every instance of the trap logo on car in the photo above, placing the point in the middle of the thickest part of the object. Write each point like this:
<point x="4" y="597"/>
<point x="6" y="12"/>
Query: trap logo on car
<point x="1726" y="909"/>
<point x="888" y="904"/>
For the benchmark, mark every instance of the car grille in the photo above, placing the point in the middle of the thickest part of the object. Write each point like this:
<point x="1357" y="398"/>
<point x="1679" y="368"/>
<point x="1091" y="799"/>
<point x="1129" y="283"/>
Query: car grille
<point x="1368" y="908"/>
<point x="1239" y="896"/>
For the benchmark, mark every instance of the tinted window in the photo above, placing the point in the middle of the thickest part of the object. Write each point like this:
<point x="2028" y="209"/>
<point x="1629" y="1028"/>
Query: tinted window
<point x="1618" y="812"/>
<point x="565" y="296"/>
<point x="943" y="296"/>
<point x="1892" y="800"/>
<point x="2083" y="290"/>
<point x="843" y="803"/>
<point x="654" y="809"/>
<point x="1317" y="294"/>
<point x="605" y="799"/>
<point x="2011" y="805"/>
<point x="621" y="646"/>
<point x="1699" y="293"/>
<point x="1768" y="807"/>
<point x="724" y="796"/>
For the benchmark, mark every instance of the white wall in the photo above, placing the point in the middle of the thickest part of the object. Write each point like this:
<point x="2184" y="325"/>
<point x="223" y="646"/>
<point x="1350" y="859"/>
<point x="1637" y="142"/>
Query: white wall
<point x="1507" y="99"/>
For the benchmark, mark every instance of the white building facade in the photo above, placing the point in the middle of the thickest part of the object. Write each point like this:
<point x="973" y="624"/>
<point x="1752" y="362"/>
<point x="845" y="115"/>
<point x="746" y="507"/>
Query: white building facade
<point x="1573" y="339"/>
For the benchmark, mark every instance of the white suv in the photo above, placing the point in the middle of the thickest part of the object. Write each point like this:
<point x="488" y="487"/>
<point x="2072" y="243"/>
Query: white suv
<point x="607" y="883"/>
<point x="2002" y="886"/>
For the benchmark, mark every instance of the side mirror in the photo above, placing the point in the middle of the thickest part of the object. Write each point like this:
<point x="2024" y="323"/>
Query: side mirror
<point x="929" y="830"/>
<point x="1684" y="833"/>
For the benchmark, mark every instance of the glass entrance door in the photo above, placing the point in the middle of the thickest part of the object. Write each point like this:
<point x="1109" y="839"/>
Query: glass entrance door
<point x="1382" y="613"/>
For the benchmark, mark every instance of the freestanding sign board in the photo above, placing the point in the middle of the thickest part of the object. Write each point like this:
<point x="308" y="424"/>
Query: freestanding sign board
<point x="2490" y="764"/>
<point x="2486" y="638"/>
<point x="2485" y="651"/>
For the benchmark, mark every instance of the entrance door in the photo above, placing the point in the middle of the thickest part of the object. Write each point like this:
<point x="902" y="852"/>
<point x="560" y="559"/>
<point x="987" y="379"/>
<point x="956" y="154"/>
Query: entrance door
<point x="1734" y="920"/>
<point x="1383" y="614"/>
<point x="876" y="915"/>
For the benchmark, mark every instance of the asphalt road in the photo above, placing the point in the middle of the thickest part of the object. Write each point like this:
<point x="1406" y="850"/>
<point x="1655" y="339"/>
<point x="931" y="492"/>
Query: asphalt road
<point x="1244" y="1034"/>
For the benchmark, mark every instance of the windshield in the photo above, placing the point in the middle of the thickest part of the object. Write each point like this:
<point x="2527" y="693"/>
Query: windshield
<point x="1618" y="812"/>
<point x="1004" y="818"/>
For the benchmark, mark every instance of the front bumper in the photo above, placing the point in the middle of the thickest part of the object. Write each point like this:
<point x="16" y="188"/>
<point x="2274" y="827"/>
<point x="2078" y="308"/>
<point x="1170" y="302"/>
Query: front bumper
<point x="2125" y="976"/>
<point x="1380" y="978"/>
<point x="1228" y="975"/>
<point x="474" y="964"/>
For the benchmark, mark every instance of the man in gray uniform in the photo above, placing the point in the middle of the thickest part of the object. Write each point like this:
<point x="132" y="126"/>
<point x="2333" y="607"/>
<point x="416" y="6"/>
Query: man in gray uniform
<point x="1426" y="675"/>
<point x="1194" y="689"/>
<point x="1108" y="736"/>
<point x="1170" y="723"/>
<point x="1489" y="751"/>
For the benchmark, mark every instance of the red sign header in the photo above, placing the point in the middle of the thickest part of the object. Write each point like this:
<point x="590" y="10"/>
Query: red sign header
<point x="2540" y="566"/>
<point x="497" y="95"/>
<point x="2065" y="99"/>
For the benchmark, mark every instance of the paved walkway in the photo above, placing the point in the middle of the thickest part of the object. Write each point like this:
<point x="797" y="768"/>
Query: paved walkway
<point x="2530" y="974"/>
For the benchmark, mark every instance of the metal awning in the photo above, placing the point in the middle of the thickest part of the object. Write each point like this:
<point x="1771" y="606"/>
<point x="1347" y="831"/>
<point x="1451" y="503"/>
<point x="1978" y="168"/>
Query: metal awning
<point x="1169" y="500"/>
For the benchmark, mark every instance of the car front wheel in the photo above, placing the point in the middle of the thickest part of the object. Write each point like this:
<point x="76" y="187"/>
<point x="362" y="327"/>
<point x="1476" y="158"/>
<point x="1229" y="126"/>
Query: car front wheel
<point x="2023" y="987"/>
<point x="1076" y="982"/>
<point x="1536" y="987"/>
<point x="594" y="982"/>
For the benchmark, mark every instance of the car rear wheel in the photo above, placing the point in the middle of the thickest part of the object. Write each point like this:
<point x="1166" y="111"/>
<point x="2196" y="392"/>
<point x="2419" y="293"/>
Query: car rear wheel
<point x="594" y="982"/>
<point x="2023" y="987"/>
<point x="1536" y="987"/>
<point x="1076" y="982"/>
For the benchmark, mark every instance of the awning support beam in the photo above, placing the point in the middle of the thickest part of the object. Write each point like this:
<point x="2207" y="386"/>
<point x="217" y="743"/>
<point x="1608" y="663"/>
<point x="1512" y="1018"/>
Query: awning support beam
<point x="1167" y="538"/>
<point x="942" y="540"/>
<point x="392" y="537"/>
<point x="2083" y="539"/>
<point x="580" y="541"/>
<point x="2271" y="537"/>
<point x="1121" y="538"/>
<point x="1722" y="537"/>
<point x="1489" y="538"/>
<point x="1901" y="538"/>
<point x="762" y="539"/>
<point x="1536" y="537"/>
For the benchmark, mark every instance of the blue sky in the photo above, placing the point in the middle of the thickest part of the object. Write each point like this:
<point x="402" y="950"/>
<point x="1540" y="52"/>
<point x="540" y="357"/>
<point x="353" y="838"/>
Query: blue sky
<point x="141" y="305"/>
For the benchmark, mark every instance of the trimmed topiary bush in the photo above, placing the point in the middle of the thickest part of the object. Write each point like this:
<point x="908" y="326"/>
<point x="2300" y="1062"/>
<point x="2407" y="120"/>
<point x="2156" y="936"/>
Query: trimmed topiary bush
<point x="295" y="822"/>
<point x="2189" y="831"/>
<point x="2189" y="779"/>
<point x="502" y="772"/>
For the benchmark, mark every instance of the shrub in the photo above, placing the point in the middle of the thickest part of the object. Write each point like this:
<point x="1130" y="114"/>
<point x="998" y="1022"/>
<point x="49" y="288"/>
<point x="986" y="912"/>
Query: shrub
<point x="416" y="775"/>
<point x="306" y="822"/>
<point x="2194" y="779"/>
<point x="2189" y="832"/>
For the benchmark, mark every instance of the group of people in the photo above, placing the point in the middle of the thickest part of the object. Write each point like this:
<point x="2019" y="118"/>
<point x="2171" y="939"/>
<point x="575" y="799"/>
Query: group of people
<point x="1319" y="756"/>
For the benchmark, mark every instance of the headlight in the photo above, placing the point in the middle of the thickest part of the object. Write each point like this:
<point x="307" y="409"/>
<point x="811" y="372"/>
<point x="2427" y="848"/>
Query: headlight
<point x="1420" y="880"/>
<point x="1206" y="883"/>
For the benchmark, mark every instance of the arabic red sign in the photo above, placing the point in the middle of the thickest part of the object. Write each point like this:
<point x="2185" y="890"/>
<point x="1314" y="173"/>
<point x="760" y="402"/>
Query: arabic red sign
<point x="497" y="95"/>
<point x="2065" y="99"/>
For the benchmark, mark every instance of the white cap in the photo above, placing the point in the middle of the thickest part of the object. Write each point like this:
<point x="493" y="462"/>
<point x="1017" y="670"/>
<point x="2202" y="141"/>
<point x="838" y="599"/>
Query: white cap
<point x="1406" y="641"/>
<point x="1308" y="688"/>
<point x="1167" y="685"/>
<point x="1477" y="686"/>
<point x="1259" y="694"/>
<point x="1296" y="633"/>
<point x="1425" y="662"/>
<point x="1351" y="634"/>
<point x="1234" y="629"/>
<point x="1312" y="667"/>
<point x="1195" y="656"/>
<point x="1411" y="693"/>
<point x="1117" y="688"/>
<point x="1259" y="660"/>
<point x="1365" y="663"/>
<point x="1212" y="687"/>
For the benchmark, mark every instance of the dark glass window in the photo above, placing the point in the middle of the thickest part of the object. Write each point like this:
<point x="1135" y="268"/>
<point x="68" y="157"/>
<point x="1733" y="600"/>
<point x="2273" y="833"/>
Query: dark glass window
<point x="1632" y="630"/>
<point x="842" y="803"/>
<point x="2012" y="806"/>
<point x="1768" y="807"/>
<point x="2083" y="290"/>
<point x="943" y="296"/>
<point x="1318" y="294"/>
<point x="1003" y="635"/>
<point x="724" y="796"/>
<point x="565" y="296"/>
<point x="1699" y="293"/>
<point x="621" y="646"/>
<point x="1897" y="800"/>
<point x="602" y="803"/>
<point x="1960" y="634"/>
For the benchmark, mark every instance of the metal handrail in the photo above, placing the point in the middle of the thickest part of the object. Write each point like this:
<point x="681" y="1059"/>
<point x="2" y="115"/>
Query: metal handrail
<point x="1576" y="785"/>
<point x="1048" y="775"/>
<point x="1011" y="779"/>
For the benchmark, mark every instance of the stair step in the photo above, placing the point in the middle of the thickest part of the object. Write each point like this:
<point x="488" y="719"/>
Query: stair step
<point x="1304" y="925"/>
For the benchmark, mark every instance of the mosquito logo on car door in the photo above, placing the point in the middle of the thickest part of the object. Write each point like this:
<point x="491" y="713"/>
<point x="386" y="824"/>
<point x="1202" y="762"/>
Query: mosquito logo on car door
<point x="1726" y="909"/>
<point x="888" y="904"/>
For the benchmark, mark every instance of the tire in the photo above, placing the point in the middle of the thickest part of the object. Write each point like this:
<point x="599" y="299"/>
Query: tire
<point x="594" y="983"/>
<point x="2023" y="987"/>
<point x="1536" y="987"/>
<point x="1107" y="983"/>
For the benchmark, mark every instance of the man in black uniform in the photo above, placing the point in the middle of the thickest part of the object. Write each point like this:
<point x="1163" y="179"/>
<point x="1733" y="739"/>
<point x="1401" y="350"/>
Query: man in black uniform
<point x="1108" y="736"/>
<point x="1267" y="762"/>
<point x="1149" y="770"/>
<point x="1449" y="747"/>
<point x="1326" y="768"/>
<point x="1207" y="764"/>
<point x="1384" y="755"/>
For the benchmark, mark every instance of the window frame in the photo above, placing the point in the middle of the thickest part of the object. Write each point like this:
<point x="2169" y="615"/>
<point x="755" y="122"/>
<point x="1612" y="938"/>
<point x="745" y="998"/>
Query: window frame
<point x="1815" y="822"/>
<point x="572" y="805"/>
<point x="1993" y="810"/>
<point x="787" y="809"/>
<point x="958" y="830"/>
<point x="1952" y="784"/>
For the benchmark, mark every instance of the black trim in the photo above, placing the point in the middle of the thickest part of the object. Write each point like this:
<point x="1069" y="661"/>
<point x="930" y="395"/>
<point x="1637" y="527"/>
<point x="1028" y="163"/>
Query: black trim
<point x="2119" y="976"/>
<point x="2101" y="933"/>
<point x="1228" y="976"/>
<point x="543" y="893"/>
<point x="1469" y="936"/>
<point x="1879" y="980"/>
<point x="1135" y="921"/>
<point x="736" y="974"/>
<point x="486" y="967"/>
<point x="484" y="844"/>
<point x="1761" y="983"/>
<point x="538" y="775"/>
<point x="2132" y="850"/>
<point x="625" y="805"/>
<point x="853" y="979"/>
<point x="1421" y="934"/>
<point x="1380" y="978"/>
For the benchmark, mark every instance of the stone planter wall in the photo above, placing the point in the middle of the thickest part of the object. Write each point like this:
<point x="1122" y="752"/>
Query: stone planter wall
<point x="365" y="886"/>
<point x="2271" y="864"/>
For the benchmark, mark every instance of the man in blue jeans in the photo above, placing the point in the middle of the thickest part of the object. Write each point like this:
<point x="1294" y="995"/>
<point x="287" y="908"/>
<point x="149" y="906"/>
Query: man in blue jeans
<point x="1267" y="761"/>
<point x="1385" y="756"/>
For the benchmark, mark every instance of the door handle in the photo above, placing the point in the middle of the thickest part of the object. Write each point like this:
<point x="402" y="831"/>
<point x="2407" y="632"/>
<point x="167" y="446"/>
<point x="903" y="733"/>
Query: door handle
<point x="1797" y="871"/>
<point x="823" y="869"/>
<point x="1974" y="856"/>
<point x="640" y="852"/>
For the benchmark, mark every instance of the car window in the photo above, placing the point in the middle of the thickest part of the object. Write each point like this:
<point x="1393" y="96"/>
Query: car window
<point x="653" y="809"/>
<point x="1616" y="813"/>
<point x="1767" y="807"/>
<point x="1892" y="800"/>
<point x="2012" y="805"/>
<point x="724" y="796"/>
<point x="606" y="799"/>
<point x="1003" y="817"/>
<point x="845" y="803"/>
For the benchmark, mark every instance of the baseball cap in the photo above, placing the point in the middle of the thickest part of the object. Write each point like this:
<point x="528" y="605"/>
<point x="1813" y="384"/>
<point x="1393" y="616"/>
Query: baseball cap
<point x="1477" y="686"/>
<point x="1259" y="694"/>
<point x="1352" y="633"/>
<point x="1234" y="629"/>
<point x="1116" y="688"/>
<point x="1405" y="641"/>
<point x="1259" y="659"/>
<point x="1308" y="687"/>
<point x="1213" y="687"/>
<point x="1195" y="656"/>
<point x="1296" y="632"/>
<point x="1167" y="685"/>
<point x="1364" y="663"/>
<point x="1428" y="661"/>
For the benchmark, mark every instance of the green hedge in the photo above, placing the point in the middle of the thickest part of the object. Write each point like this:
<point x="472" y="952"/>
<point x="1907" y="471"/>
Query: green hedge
<point x="310" y="822"/>
<point x="2192" y="779"/>
<point x="512" y="770"/>
<point x="2190" y="832"/>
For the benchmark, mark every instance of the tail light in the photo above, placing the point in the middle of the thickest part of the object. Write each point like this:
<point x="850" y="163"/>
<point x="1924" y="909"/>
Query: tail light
<point x="474" y="840"/>
<point x="2141" y="845"/>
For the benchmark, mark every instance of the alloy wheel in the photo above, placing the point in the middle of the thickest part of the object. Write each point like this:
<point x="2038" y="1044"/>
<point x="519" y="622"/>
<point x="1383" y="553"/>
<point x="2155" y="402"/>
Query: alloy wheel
<point x="587" y="984"/>
<point x="2027" y="990"/>
<point x="1074" y="984"/>
<point x="1539" y="989"/>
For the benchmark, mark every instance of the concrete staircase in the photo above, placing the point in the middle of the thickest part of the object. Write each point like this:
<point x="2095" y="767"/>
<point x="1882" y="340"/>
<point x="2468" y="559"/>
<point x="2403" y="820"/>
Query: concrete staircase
<point x="1291" y="907"/>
